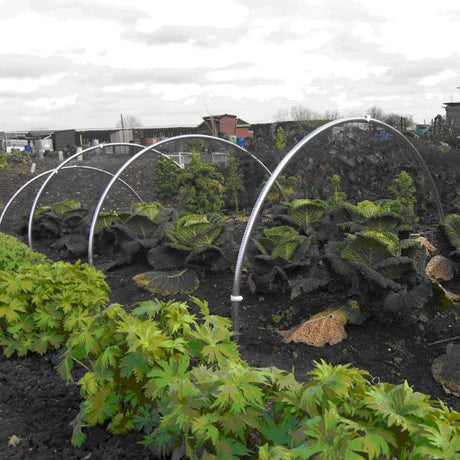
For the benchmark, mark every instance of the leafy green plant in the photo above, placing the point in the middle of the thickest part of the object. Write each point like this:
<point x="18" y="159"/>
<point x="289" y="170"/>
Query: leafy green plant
<point x="385" y="215"/>
<point x="17" y="156"/>
<point x="195" y="244"/>
<point x="104" y="220"/>
<point x="133" y="234"/>
<point x="281" y="241"/>
<point x="66" y="222"/>
<point x="386" y="274"/>
<point x="194" y="146"/>
<point x="132" y="359"/>
<point x="287" y="183"/>
<point x="194" y="396"/>
<point x="59" y="208"/>
<point x="283" y="259"/>
<point x="201" y="187"/>
<point x="197" y="189"/>
<point x="305" y="212"/>
<point x="152" y="210"/>
<point x="403" y="189"/>
<point x="337" y="196"/>
<point x="360" y="248"/>
<point x="340" y="414"/>
<point x="451" y="229"/>
<point x="193" y="231"/>
<point x="381" y="216"/>
<point x="42" y="303"/>
<point x="3" y="160"/>
<point x="15" y="254"/>
<point x="451" y="226"/>
<point x="166" y="180"/>
<point x="280" y="141"/>
<point x="233" y="184"/>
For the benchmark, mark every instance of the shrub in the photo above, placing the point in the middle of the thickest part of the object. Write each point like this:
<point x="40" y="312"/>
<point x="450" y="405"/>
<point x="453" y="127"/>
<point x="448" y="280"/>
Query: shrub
<point x="201" y="187"/>
<point x="280" y="141"/>
<point x="287" y="183"/>
<point x="197" y="189"/>
<point x="234" y="184"/>
<point x="181" y="381"/>
<point x="133" y="358"/>
<point x="179" y="378"/>
<point x="14" y="254"/>
<point x="42" y="302"/>
<point x="167" y="180"/>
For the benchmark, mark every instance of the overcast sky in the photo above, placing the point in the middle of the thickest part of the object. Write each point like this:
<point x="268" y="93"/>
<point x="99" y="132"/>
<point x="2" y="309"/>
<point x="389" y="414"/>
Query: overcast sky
<point x="82" y="63"/>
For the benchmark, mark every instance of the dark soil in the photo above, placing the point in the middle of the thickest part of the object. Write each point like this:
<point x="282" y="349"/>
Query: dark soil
<point x="37" y="408"/>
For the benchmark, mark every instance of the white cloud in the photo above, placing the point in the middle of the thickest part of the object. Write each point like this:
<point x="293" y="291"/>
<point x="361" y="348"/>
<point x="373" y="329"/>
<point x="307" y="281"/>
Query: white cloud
<point x="28" y="84"/>
<point x="52" y="103"/>
<point x="125" y="88"/>
<point x="163" y="60"/>
<point x="183" y="13"/>
<point x="433" y="80"/>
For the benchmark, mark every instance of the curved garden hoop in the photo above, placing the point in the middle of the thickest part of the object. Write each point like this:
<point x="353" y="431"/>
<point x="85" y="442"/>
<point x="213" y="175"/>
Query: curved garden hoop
<point x="153" y="148"/>
<point x="31" y="181"/>
<point x="236" y="297"/>
<point x="56" y="171"/>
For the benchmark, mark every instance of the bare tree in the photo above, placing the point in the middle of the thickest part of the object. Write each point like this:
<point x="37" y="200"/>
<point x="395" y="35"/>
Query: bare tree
<point x="302" y="113"/>
<point x="296" y="113"/>
<point x="128" y="121"/>
<point x="282" y="115"/>
<point x="331" y="115"/>
<point x="376" y="112"/>
<point x="397" y="120"/>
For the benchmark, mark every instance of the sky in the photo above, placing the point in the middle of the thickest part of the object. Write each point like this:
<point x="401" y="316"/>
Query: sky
<point x="82" y="63"/>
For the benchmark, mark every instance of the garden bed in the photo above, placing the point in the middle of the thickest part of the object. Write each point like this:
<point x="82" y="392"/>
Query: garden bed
<point x="37" y="408"/>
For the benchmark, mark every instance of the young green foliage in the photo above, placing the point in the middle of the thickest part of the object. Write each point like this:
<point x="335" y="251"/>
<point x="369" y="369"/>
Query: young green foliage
<point x="280" y="140"/>
<point x="403" y="189"/>
<point x="41" y="304"/>
<point x="337" y="196"/>
<point x="14" y="254"/>
<point x="233" y="184"/>
<point x="180" y="380"/>
<point x="133" y="358"/>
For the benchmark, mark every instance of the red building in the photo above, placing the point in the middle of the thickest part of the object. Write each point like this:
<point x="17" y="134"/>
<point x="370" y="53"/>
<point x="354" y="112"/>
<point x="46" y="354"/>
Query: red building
<point x="243" y="129"/>
<point x="226" y="125"/>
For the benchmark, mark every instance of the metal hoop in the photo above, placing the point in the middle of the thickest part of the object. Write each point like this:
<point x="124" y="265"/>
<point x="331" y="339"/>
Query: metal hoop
<point x="55" y="171"/>
<point x="154" y="149"/>
<point x="24" y="186"/>
<point x="236" y="297"/>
